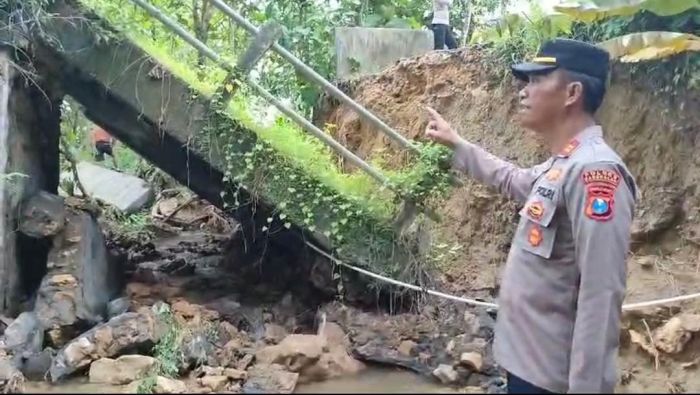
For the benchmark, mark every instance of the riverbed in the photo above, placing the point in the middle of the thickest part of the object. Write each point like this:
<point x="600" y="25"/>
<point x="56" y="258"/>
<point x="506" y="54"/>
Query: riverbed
<point x="372" y="380"/>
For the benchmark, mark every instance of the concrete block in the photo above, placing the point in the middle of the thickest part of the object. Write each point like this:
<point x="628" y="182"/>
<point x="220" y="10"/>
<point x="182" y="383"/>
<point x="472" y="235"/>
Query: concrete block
<point x="123" y="191"/>
<point x="361" y="51"/>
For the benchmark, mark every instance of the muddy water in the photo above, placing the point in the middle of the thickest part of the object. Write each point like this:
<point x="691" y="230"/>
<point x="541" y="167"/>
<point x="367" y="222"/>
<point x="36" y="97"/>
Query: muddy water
<point x="376" y="380"/>
<point x="75" y="386"/>
<point x="372" y="380"/>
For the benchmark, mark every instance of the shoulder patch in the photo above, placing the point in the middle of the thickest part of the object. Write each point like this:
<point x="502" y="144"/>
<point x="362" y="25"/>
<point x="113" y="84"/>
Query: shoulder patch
<point x="600" y="193"/>
<point x="569" y="149"/>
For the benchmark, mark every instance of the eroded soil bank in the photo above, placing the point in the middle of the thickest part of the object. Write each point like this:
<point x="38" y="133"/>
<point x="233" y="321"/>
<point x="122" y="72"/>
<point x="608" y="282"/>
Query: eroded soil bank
<point x="652" y="124"/>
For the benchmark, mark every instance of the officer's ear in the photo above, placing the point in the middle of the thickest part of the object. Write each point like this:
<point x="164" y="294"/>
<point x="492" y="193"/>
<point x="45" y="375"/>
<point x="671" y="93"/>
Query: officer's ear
<point x="574" y="92"/>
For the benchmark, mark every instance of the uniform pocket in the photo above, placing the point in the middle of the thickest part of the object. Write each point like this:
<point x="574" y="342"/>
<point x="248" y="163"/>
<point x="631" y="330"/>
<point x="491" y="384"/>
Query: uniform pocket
<point x="538" y="228"/>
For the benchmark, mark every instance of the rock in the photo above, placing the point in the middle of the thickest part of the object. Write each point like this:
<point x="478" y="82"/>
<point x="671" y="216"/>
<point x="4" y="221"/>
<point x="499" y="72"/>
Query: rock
<point x="126" y="332"/>
<point x="450" y="346"/>
<point x="215" y="383"/>
<point x="333" y="334"/>
<point x="376" y="352"/>
<point x="82" y="278"/>
<point x="406" y="347"/>
<point x="646" y="262"/>
<point x="35" y="366"/>
<point x="59" y="337"/>
<point x="205" y="370"/>
<point x="123" y="191"/>
<point x="161" y="385"/>
<point x="321" y="276"/>
<point x="245" y="362"/>
<point x="473" y="325"/>
<point x="296" y="352"/>
<point x="235" y="374"/>
<point x="56" y="306"/>
<point x="472" y="390"/>
<point x="446" y="374"/>
<point x="24" y="334"/>
<point x="472" y="360"/>
<point x="334" y="363"/>
<point x="197" y="349"/>
<point x="229" y="354"/>
<point x="672" y="337"/>
<point x="43" y="215"/>
<point x="270" y="379"/>
<point x="11" y="379"/>
<point x="117" y="307"/>
<point x="274" y="333"/>
<point x="122" y="370"/>
<point x="165" y="385"/>
<point x="189" y="311"/>
<point x="477" y="345"/>
<point x="642" y="342"/>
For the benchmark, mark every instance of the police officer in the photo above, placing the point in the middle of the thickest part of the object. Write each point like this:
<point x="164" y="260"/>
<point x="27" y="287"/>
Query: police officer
<point x="564" y="280"/>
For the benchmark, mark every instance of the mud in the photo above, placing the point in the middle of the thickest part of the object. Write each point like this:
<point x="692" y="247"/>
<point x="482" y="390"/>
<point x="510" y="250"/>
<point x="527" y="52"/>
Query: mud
<point x="653" y="131"/>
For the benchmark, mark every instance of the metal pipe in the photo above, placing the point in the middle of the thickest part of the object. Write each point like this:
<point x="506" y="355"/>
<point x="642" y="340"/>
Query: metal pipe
<point x="317" y="78"/>
<point x="303" y="122"/>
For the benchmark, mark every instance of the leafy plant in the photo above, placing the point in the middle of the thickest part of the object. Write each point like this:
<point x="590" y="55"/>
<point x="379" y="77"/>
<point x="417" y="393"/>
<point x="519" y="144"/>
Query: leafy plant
<point x="595" y="10"/>
<point x="132" y="227"/>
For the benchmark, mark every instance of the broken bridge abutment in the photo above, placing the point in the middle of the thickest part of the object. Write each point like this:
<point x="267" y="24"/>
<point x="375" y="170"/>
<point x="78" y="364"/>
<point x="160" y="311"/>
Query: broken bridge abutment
<point x="29" y="164"/>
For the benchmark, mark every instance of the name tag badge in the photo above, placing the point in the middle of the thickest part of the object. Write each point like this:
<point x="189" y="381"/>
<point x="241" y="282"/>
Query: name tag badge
<point x="547" y="193"/>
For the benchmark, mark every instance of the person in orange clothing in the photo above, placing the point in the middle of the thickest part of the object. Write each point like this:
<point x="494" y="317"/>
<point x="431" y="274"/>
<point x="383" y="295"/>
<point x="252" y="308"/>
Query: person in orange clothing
<point x="103" y="143"/>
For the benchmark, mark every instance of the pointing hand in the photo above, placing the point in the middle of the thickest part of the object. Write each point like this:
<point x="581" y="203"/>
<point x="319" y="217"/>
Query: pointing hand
<point x="439" y="130"/>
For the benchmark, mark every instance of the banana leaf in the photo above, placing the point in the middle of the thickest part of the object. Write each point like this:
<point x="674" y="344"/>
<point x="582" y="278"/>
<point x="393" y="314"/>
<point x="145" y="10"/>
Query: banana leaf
<point x="592" y="10"/>
<point x="638" y="47"/>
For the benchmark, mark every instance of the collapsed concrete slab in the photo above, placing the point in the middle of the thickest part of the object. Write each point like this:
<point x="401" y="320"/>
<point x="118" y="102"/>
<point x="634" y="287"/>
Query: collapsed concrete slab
<point x="127" y="193"/>
<point x="189" y="135"/>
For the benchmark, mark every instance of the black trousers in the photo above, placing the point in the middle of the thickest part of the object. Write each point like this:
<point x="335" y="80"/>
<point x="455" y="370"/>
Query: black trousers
<point x="102" y="148"/>
<point x="516" y="385"/>
<point x="442" y="35"/>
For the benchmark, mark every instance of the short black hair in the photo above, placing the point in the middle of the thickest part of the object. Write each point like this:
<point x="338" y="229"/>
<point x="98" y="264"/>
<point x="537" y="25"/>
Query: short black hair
<point x="593" y="90"/>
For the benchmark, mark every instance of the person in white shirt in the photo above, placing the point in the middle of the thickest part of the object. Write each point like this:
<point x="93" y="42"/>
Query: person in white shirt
<point x="442" y="32"/>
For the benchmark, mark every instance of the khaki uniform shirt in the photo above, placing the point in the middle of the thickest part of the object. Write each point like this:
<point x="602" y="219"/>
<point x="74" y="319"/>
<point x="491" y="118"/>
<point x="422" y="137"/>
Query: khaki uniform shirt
<point x="564" y="281"/>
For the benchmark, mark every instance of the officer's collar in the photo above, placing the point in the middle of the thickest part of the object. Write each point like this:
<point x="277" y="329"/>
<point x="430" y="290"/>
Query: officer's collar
<point x="583" y="136"/>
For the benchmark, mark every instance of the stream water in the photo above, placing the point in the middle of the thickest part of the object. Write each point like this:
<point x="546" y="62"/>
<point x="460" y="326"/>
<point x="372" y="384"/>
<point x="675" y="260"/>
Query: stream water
<point x="372" y="380"/>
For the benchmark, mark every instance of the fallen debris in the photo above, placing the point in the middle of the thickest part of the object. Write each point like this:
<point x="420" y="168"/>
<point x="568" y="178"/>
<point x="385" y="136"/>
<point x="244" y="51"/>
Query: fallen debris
<point x="125" y="192"/>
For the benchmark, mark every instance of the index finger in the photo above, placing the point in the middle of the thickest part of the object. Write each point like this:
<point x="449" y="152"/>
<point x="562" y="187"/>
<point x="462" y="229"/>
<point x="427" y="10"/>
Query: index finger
<point x="434" y="115"/>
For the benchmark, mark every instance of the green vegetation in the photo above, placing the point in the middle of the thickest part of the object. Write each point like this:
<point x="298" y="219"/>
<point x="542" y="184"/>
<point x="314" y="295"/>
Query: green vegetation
<point x="132" y="228"/>
<point x="516" y="37"/>
<point x="167" y="352"/>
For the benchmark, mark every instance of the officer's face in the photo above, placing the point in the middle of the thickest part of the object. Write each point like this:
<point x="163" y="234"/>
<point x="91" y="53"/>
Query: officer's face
<point x="542" y="101"/>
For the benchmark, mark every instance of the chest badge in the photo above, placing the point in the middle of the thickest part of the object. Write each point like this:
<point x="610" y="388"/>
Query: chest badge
<point x="535" y="210"/>
<point x="534" y="236"/>
<point x="554" y="175"/>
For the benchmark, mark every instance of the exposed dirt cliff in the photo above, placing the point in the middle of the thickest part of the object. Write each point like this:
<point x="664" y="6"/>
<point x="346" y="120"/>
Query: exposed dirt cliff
<point x="655" y="131"/>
